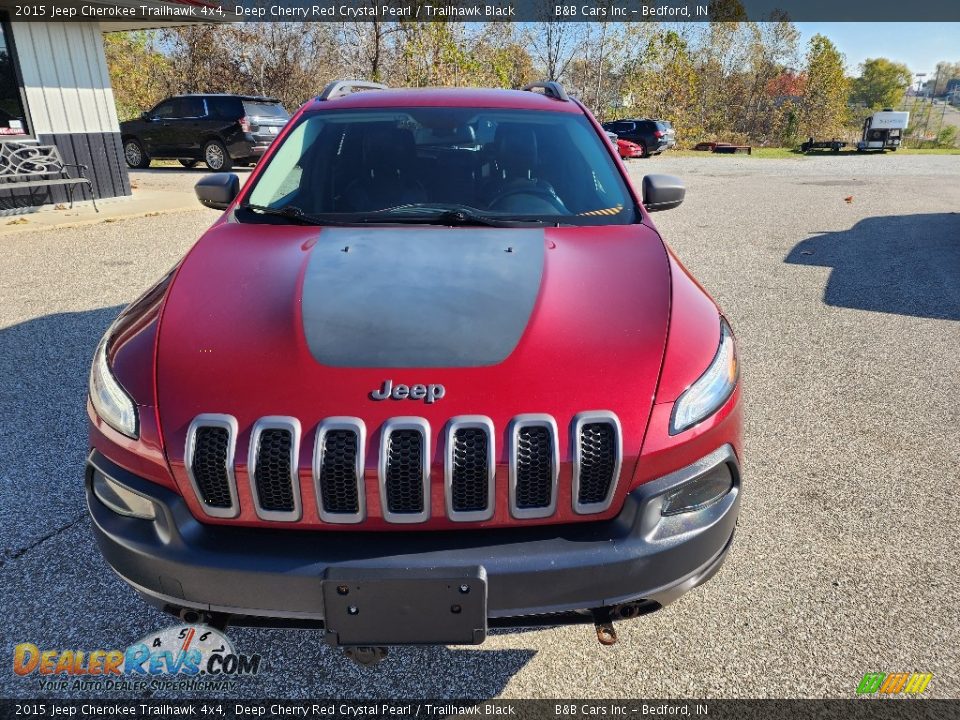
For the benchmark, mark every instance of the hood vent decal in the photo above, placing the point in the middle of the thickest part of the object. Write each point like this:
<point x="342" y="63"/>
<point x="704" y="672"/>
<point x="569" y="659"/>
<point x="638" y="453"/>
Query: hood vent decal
<point x="415" y="298"/>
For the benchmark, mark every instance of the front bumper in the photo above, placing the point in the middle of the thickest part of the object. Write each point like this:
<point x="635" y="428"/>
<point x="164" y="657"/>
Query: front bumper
<point x="275" y="576"/>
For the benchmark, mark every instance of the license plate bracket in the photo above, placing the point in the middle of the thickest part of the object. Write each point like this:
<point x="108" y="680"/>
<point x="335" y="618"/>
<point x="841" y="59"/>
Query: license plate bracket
<point x="405" y="606"/>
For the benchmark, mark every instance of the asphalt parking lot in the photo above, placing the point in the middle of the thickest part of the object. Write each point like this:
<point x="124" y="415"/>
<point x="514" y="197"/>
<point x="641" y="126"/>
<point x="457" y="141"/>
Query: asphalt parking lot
<point x="846" y="559"/>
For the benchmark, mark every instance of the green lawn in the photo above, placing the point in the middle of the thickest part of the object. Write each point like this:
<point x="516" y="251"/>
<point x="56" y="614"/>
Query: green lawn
<point x="930" y="151"/>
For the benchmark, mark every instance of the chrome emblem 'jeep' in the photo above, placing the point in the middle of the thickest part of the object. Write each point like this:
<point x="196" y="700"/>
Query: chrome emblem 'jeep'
<point x="428" y="393"/>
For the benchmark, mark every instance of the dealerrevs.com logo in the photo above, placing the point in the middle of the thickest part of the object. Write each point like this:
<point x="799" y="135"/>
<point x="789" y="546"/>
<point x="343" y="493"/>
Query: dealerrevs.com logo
<point x="888" y="684"/>
<point x="181" y="657"/>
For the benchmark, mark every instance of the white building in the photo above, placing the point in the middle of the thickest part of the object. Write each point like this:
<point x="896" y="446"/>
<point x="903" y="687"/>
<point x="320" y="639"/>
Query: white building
<point x="55" y="89"/>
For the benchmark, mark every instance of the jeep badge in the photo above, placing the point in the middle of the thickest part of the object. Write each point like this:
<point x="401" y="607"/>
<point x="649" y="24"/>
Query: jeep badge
<point x="428" y="393"/>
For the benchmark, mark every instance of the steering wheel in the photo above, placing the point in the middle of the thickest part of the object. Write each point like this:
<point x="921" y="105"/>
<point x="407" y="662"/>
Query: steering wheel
<point x="543" y="193"/>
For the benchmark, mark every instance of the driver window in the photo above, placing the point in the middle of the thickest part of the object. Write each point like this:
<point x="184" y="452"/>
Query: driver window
<point x="164" y="110"/>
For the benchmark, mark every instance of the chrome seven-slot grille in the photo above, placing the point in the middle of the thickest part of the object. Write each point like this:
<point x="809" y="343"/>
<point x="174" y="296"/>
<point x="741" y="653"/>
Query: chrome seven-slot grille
<point x="404" y="467"/>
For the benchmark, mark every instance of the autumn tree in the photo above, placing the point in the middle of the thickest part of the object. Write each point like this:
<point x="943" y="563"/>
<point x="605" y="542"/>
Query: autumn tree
<point x="945" y="72"/>
<point x="554" y="43"/>
<point x="733" y="80"/>
<point x="882" y="83"/>
<point x="141" y="75"/>
<point x="823" y="110"/>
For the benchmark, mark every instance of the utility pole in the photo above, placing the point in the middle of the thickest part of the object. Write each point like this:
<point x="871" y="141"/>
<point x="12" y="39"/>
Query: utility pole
<point x="942" y="114"/>
<point x="933" y="92"/>
<point x="917" y="99"/>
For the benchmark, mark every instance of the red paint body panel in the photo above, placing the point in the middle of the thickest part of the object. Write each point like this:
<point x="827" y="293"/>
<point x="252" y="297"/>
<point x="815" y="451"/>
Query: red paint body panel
<point x="664" y="453"/>
<point x="694" y="334"/>
<point x="144" y="456"/>
<point x="132" y="356"/>
<point x="232" y="342"/>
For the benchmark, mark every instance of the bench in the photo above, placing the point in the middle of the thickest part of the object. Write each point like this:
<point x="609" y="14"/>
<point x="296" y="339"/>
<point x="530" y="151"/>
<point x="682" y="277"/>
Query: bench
<point x="729" y="149"/>
<point x="722" y="147"/>
<point x="23" y="165"/>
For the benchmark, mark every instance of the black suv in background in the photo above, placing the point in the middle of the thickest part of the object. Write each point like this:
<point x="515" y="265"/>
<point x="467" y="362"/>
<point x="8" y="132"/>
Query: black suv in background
<point x="654" y="136"/>
<point x="221" y="130"/>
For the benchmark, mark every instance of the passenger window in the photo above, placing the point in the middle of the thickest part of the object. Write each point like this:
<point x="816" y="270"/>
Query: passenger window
<point x="224" y="108"/>
<point x="192" y="108"/>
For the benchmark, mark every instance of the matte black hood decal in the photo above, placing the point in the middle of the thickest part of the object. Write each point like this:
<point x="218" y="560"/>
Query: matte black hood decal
<point x="424" y="297"/>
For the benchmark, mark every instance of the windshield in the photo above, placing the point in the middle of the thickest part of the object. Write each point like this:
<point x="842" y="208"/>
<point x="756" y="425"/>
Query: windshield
<point x="419" y="163"/>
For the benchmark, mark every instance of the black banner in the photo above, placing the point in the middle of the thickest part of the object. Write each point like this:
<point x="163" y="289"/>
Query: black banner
<point x="170" y="11"/>
<point x="156" y="709"/>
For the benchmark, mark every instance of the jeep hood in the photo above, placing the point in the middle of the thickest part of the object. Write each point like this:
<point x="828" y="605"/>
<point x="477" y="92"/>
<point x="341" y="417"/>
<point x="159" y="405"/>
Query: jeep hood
<point x="308" y="322"/>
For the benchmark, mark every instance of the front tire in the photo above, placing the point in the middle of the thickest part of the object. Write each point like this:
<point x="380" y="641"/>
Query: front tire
<point x="216" y="157"/>
<point x="134" y="154"/>
<point x="644" y="153"/>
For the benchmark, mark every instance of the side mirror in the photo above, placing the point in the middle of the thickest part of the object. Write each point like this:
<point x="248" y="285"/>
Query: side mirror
<point x="662" y="192"/>
<point x="145" y="115"/>
<point x="217" y="191"/>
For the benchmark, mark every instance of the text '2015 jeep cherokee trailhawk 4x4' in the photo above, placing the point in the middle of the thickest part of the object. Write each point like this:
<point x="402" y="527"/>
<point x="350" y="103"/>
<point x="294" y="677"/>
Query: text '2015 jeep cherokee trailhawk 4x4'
<point x="432" y="371"/>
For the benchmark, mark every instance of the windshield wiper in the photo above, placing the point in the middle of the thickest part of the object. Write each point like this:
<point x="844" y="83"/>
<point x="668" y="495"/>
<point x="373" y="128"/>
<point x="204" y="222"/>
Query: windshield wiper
<point x="401" y="215"/>
<point x="292" y="212"/>
<point x="450" y="216"/>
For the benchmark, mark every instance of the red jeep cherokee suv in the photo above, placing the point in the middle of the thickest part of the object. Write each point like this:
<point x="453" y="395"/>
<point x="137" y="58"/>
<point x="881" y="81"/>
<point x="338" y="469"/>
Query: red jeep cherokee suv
<point x="432" y="371"/>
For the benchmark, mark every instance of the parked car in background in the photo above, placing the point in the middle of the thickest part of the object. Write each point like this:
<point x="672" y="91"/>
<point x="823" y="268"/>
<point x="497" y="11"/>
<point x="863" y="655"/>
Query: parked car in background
<point x="625" y="148"/>
<point x="652" y="136"/>
<point x="221" y="130"/>
<point x="628" y="149"/>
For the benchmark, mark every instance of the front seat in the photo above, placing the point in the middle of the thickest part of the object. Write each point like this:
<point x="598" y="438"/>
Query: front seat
<point x="516" y="167"/>
<point x="387" y="160"/>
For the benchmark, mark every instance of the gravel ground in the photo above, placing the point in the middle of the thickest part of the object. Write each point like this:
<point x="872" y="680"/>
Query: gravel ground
<point x="848" y="319"/>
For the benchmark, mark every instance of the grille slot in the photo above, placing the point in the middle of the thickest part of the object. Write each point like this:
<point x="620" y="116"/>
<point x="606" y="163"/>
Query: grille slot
<point x="405" y="470"/>
<point x="273" y="468"/>
<point x="534" y="466"/>
<point x="338" y="470"/>
<point x="596" y="462"/>
<point x="209" y="454"/>
<point x="209" y="466"/>
<point x="470" y="468"/>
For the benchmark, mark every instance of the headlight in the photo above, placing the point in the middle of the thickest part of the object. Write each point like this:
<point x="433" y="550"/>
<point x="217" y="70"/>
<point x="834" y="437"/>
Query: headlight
<point x="111" y="402"/>
<point x="711" y="390"/>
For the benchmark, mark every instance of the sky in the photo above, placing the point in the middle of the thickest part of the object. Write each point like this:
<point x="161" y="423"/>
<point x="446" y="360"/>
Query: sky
<point x="919" y="45"/>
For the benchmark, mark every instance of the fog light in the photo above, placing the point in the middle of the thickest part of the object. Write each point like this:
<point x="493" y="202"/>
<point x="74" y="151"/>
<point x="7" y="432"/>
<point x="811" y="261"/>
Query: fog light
<point x="700" y="492"/>
<point x="120" y="499"/>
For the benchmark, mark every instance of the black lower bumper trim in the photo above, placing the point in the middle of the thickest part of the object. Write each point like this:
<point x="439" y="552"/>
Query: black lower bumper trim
<point x="535" y="575"/>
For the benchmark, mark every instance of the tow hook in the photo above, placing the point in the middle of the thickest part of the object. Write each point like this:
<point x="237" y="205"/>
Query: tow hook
<point x="366" y="655"/>
<point x="603" y="624"/>
<point x="199" y="617"/>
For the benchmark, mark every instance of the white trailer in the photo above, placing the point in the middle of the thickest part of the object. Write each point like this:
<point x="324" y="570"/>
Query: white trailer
<point x="883" y="130"/>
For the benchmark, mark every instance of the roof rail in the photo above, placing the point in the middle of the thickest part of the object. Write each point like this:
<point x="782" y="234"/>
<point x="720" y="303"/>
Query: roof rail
<point x="342" y="88"/>
<point x="551" y="89"/>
